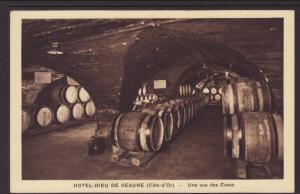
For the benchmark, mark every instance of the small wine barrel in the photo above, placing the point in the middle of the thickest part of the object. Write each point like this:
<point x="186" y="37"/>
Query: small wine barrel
<point x="213" y="90"/>
<point x="65" y="94"/>
<point x="220" y="90"/>
<point x="27" y="118"/>
<point x="217" y="97"/>
<point x="138" y="132"/>
<point x="254" y="137"/>
<point x="77" y="111"/>
<point x="44" y="116"/>
<point x="244" y="95"/>
<point x="205" y="91"/>
<point x="83" y="95"/>
<point x="61" y="112"/>
<point x="90" y="108"/>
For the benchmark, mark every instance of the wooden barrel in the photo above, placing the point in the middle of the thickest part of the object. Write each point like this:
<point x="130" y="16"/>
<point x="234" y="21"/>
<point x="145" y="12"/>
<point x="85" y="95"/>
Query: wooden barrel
<point x="138" y="132"/>
<point x="244" y="95"/>
<point x="205" y="91"/>
<point x="65" y="94"/>
<point x="176" y="116"/>
<point x="90" y="108"/>
<point x="220" y="90"/>
<point x="77" y="111"/>
<point x="182" y="110"/>
<point x="213" y="90"/>
<point x="27" y="118"/>
<point x="190" y="108"/>
<point x="83" y="95"/>
<point x="254" y="137"/>
<point x="61" y="112"/>
<point x="44" y="116"/>
<point x="166" y="116"/>
<point x="217" y="97"/>
<point x="196" y="102"/>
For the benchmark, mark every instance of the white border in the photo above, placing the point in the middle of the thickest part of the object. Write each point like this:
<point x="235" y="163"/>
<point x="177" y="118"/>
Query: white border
<point x="279" y="186"/>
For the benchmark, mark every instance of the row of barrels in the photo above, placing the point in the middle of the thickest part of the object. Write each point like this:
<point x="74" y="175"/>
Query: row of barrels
<point x="61" y="103"/>
<point x="67" y="94"/>
<point x="215" y="93"/>
<point x="150" y="128"/>
<point x="251" y="131"/>
<point x="45" y="115"/>
<point x="185" y="90"/>
<point x="147" y="97"/>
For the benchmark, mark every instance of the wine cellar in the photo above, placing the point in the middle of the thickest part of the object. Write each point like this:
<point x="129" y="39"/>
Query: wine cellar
<point x="152" y="99"/>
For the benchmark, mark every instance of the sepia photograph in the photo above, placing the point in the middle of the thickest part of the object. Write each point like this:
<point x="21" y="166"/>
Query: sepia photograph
<point x="152" y="101"/>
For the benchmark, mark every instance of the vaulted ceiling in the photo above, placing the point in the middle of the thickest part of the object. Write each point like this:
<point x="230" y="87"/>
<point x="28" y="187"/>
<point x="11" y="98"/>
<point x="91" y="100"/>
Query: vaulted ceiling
<point x="112" y="58"/>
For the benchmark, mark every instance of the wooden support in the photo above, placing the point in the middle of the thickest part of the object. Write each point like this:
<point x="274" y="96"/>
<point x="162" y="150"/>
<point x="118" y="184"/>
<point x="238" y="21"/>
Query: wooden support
<point x="131" y="159"/>
<point x="241" y="169"/>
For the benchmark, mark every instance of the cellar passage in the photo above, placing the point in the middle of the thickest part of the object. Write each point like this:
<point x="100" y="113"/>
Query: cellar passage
<point x="161" y="95"/>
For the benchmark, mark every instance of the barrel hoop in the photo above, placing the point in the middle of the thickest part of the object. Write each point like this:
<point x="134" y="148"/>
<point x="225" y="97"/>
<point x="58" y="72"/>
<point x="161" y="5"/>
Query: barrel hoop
<point x="118" y="135"/>
<point x="267" y="96"/>
<point x="137" y="135"/>
<point x="255" y="96"/>
<point x="243" y="149"/>
<point x="63" y="94"/>
<point x="112" y="130"/>
<point x="274" y="138"/>
<point x="235" y="98"/>
<point x="227" y="144"/>
<point x="149" y="139"/>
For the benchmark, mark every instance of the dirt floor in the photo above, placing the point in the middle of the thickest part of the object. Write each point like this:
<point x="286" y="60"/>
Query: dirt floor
<point x="196" y="154"/>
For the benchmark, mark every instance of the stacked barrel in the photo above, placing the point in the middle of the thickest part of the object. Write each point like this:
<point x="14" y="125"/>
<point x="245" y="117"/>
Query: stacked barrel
<point x="61" y="103"/>
<point x="148" y="129"/>
<point x="215" y="93"/>
<point x="252" y="132"/>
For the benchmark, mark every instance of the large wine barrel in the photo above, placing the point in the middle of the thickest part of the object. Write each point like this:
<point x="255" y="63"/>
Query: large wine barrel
<point x="83" y="95"/>
<point x="62" y="93"/>
<point x="90" y="108"/>
<point x="166" y="117"/>
<point x="166" y="114"/>
<point x="182" y="110"/>
<point x="176" y="116"/>
<point x="244" y="95"/>
<point x="254" y="137"/>
<point x="137" y="131"/>
<point x="44" y="116"/>
<point x="61" y="112"/>
<point x="77" y="111"/>
<point x="189" y="108"/>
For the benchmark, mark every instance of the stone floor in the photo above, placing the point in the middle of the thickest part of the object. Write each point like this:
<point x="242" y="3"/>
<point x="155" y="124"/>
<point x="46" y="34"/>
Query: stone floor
<point x="196" y="154"/>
